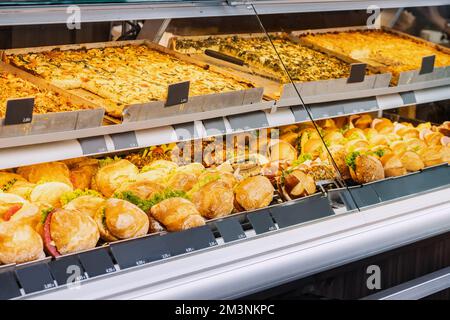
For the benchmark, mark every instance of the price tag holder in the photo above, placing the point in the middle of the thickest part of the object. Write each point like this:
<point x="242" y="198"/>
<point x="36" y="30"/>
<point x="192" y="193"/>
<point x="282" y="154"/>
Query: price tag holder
<point x="19" y="111"/>
<point x="251" y="120"/>
<point x="93" y="145"/>
<point x="125" y="140"/>
<point x="67" y="270"/>
<point x="139" y="251"/>
<point x="427" y="64"/>
<point x="230" y="229"/>
<point x="303" y="211"/>
<point x="261" y="221"/>
<point x="189" y="240"/>
<point x="215" y="126"/>
<point x="185" y="131"/>
<point x="178" y="93"/>
<point x="35" y="277"/>
<point x="97" y="262"/>
<point x="9" y="288"/>
<point x="357" y="72"/>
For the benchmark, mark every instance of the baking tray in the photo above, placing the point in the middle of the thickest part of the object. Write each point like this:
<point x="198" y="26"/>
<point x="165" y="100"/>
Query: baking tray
<point x="55" y="121"/>
<point x="279" y="89"/>
<point x="157" y="109"/>
<point x="402" y="78"/>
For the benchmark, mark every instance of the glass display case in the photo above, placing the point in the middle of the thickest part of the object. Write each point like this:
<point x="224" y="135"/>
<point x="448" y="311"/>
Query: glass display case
<point x="227" y="135"/>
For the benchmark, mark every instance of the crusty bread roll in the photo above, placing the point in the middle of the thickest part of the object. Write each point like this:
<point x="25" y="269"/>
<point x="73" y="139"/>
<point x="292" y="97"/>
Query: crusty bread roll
<point x="338" y="154"/>
<point x="22" y="188"/>
<point x="290" y="137"/>
<point x="355" y="134"/>
<point x="46" y="172"/>
<point x="415" y="144"/>
<point x="378" y="139"/>
<point x="82" y="174"/>
<point x="392" y="165"/>
<point x="359" y="145"/>
<point x="366" y="169"/>
<point x="282" y="151"/>
<point x="334" y="137"/>
<point x="19" y="243"/>
<point x="362" y="121"/>
<point x="214" y="200"/>
<point x="157" y="176"/>
<point x="113" y="175"/>
<point x="315" y="148"/>
<point x="213" y="174"/>
<point x="7" y="180"/>
<point x="194" y="168"/>
<point x="28" y="214"/>
<point x="431" y="155"/>
<point x="143" y="189"/>
<point x="72" y="231"/>
<point x="181" y="181"/>
<point x="399" y="147"/>
<point x="118" y="219"/>
<point x="412" y="161"/>
<point x="254" y="193"/>
<point x="49" y="193"/>
<point x="161" y="165"/>
<point x="433" y="138"/>
<point x="177" y="214"/>
<point x="85" y="204"/>
<point x="383" y="125"/>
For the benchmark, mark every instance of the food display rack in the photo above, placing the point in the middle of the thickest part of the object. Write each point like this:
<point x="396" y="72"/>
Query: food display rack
<point x="252" y="251"/>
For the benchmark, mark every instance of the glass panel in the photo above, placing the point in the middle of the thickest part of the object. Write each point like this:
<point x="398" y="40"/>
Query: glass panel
<point x="343" y="68"/>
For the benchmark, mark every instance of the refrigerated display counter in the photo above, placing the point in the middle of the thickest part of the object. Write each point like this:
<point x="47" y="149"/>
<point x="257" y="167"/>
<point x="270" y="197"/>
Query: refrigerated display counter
<point x="218" y="150"/>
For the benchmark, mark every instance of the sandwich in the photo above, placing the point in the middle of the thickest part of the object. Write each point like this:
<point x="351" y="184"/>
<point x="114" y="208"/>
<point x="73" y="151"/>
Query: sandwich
<point x="253" y="193"/>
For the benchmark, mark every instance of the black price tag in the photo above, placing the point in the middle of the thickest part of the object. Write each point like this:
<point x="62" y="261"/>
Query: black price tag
<point x="303" y="211"/>
<point x="215" y="126"/>
<point x="19" y="111"/>
<point x="97" y="262"/>
<point x="9" y="288"/>
<point x="357" y="72"/>
<point x="139" y="251"/>
<point x="35" y="277"/>
<point x="189" y="240"/>
<point x="178" y="93"/>
<point x="230" y="229"/>
<point x="261" y="221"/>
<point x="125" y="140"/>
<point x="67" y="270"/>
<point x="251" y="120"/>
<point x="427" y="64"/>
<point x="93" y="145"/>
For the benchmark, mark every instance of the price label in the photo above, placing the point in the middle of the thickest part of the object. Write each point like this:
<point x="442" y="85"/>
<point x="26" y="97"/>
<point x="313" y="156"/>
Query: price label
<point x="93" y="145"/>
<point x="230" y="229"/>
<point x="97" y="262"/>
<point x="178" y="93"/>
<point x="9" y="288"/>
<point x="251" y="120"/>
<point x="189" y="240"/>
<point x="35" y="277"/>
<point x="305" y="210"/>
<point x="67" y="270"/>
<point x="19" y="111"/>
<point x="427" y="64"/>
<point x="214" y="126"/>
<point x="261" y="221"/>
<point x="357" y="72"/>
<point x="125" y="140"/>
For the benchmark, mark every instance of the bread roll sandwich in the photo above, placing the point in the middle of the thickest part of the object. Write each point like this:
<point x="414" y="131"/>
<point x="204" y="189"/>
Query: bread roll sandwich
<point x="296" y="184"/>
<point x="86" y="202"/>
<point x="66" y="231"/>
<point x="50" y="193"/>
<point x="177" y="214"/>
<point x="364" y="168"/>
<point x="412" y="161"/>
<point x="282" y="151"/>
<point x="213" y="199"/>
<point x="111" y="176"/>
<point x="46" y="172"/>
<point x="19" y="243"/>
<point x="253" y="193"/>
<point x="382" y="125"/>
<point x="392" y="165"/>
<point x="82" y="173"/>
<point x="119" y="219"/>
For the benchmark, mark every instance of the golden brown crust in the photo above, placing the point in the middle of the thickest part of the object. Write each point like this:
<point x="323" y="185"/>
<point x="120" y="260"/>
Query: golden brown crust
<point x="22" y="189"/>
<point x="412" y="161"/>
<point x="73" y="231"/>
<point x="85" y="204"/>
<point x="177" y="214"/>
<point x="7" y="179"/>
<point x="123" y="220"/>
<point x="46" y="172"/>
<point x="181" y="181"/>
<point x="143" y="189"/>
<point x="392" y="165"/>
<point x="254" y="193"/>
<point x="49" y="193"/>
<point x="214" y="200"/>
<point x="19" y="243"/>
<point x="282" y="151"/>
<point x="111" y="176"/>
<point x="367" y="169"/>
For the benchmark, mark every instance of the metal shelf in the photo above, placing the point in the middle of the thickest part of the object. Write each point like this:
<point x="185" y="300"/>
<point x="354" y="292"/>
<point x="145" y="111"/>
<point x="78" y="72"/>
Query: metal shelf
<point x="54" y="14"/>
